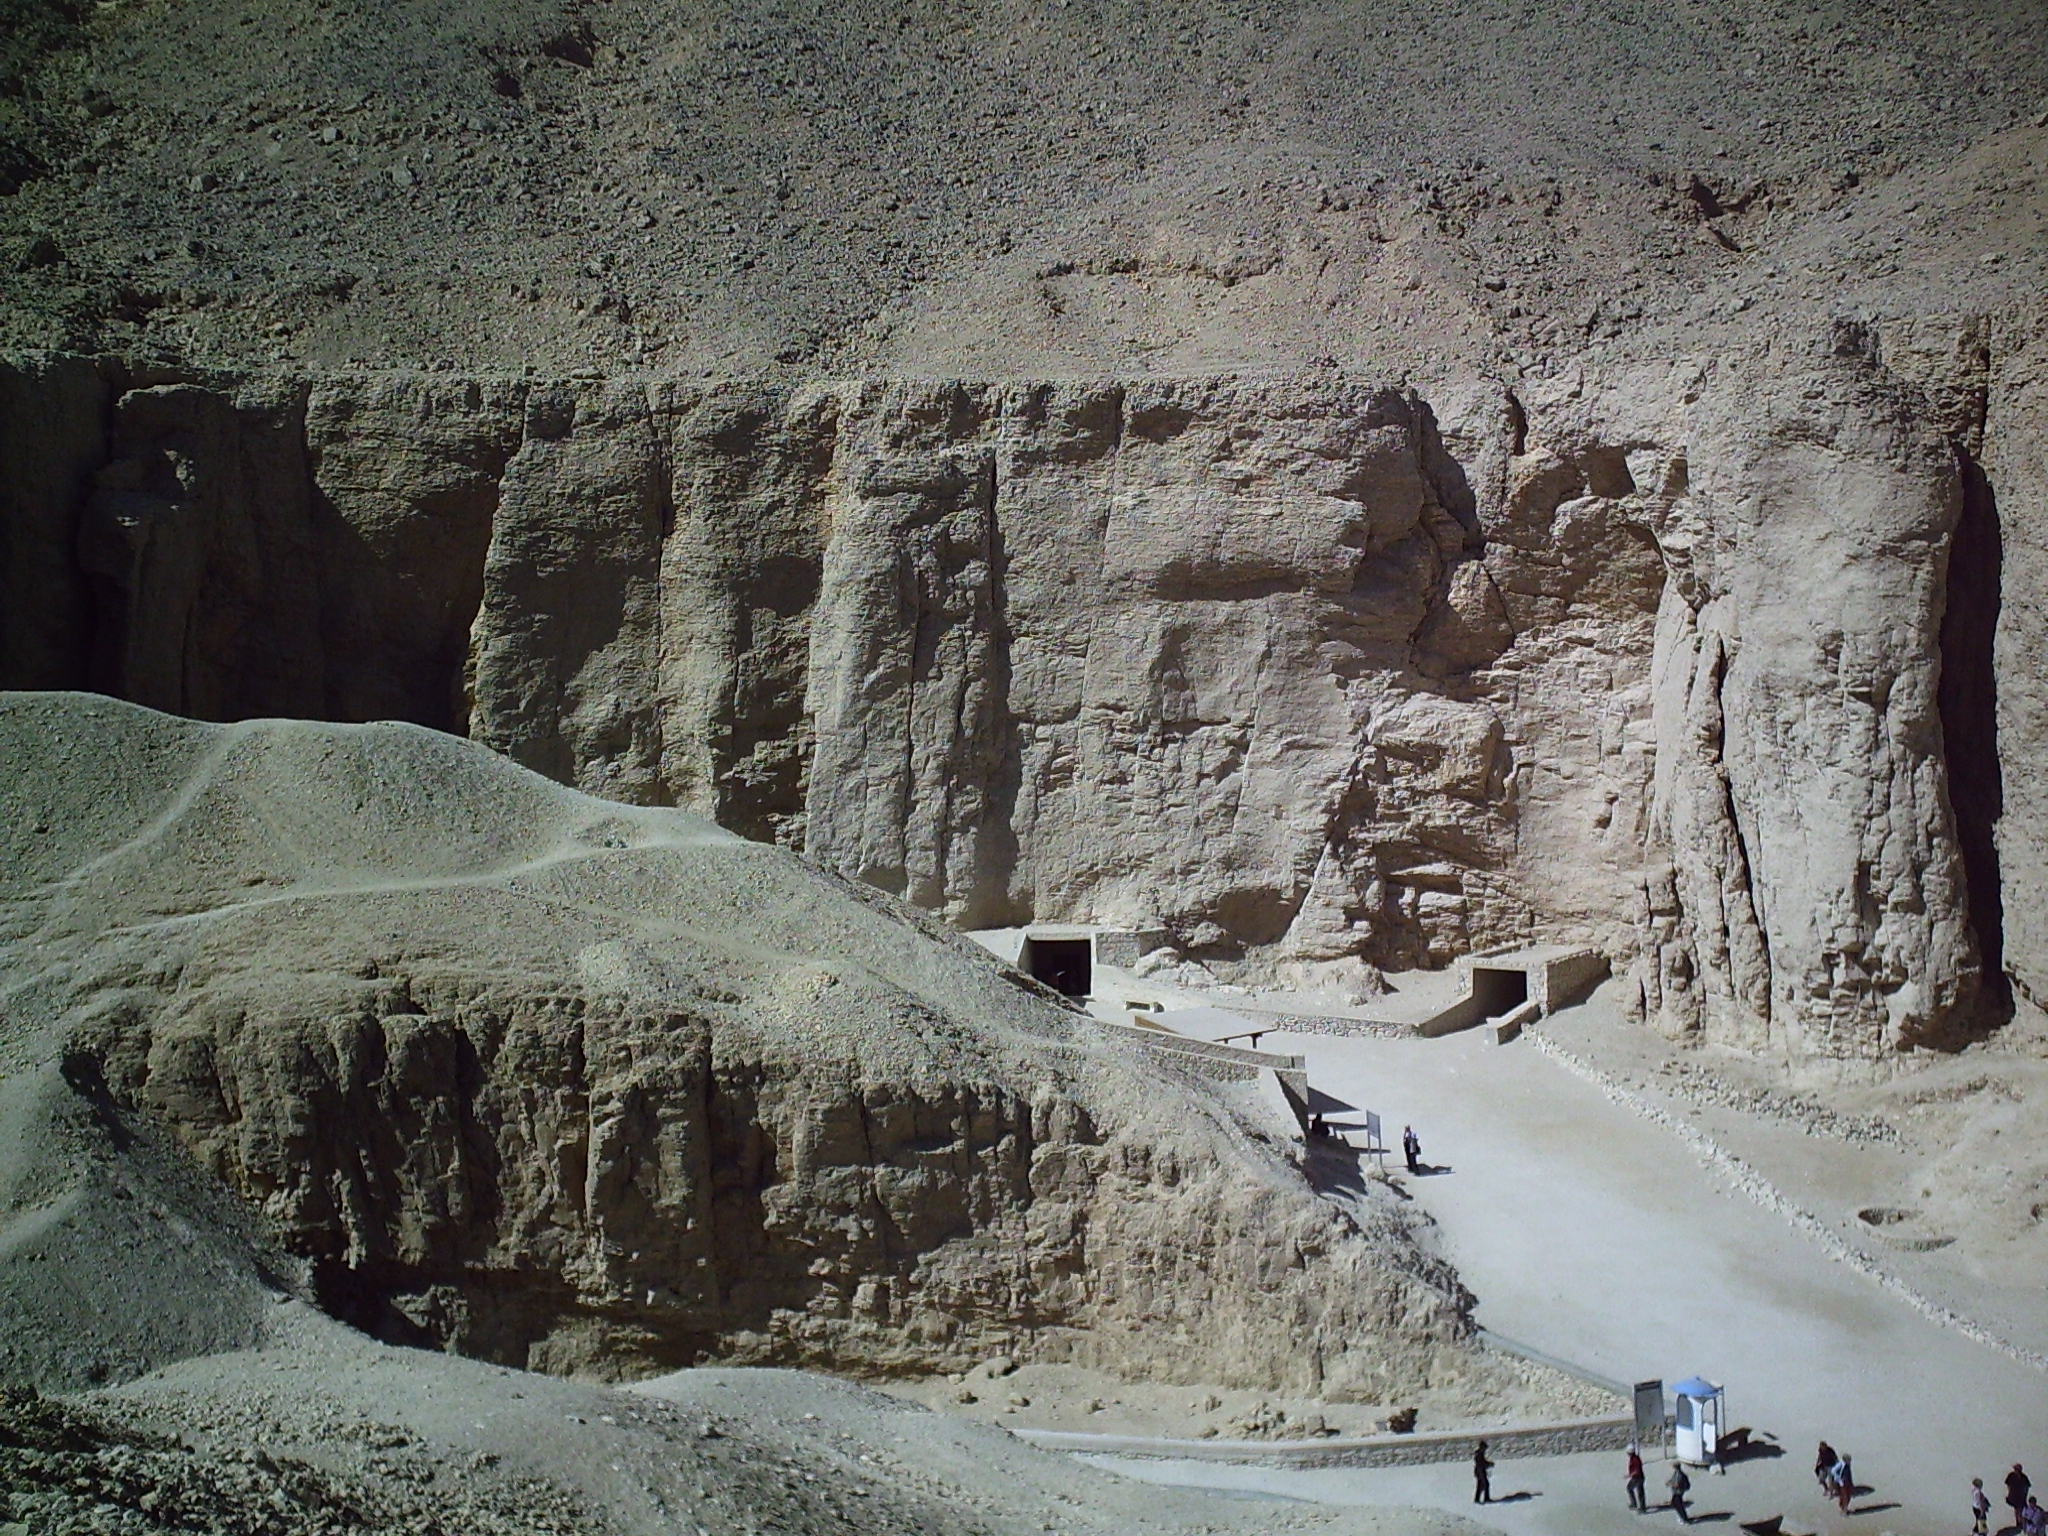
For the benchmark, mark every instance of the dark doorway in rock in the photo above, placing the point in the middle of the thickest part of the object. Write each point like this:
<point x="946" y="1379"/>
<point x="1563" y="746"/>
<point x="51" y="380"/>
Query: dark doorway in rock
<point x="1499" y="991"/>
<point x="1065" y="965"/>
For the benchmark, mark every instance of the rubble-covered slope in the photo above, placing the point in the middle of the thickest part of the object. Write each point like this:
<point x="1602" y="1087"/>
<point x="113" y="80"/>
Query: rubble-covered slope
<point x="572" y="1085"/>
<point x="322" y="1432"/>
<point x="1105" y="187"/>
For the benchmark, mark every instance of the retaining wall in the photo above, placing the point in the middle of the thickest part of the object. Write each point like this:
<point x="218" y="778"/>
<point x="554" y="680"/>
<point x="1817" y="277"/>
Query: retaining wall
<point x="1561" y="1439"/>
<point x="1229" y="1063"/>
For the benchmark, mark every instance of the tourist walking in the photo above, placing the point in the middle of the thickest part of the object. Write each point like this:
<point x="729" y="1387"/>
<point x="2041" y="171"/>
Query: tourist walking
<point x="1680" y="1485"/>
<point x="1482" y="1485"/>
<point x="2017" y="1486"/>
<point x="1845" y="1483"/>
<point x="1411" y="1148"/>
<point x="2034" y="1519"/>
<point x="1824" y="1467"/>
<point x="1636" y="1498"/>
<point x="1980" y="1509"/>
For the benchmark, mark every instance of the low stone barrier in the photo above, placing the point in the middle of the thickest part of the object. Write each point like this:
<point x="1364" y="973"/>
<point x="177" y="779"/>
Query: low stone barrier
<point x="1231" y="1063"/>
<point x="1566" y="1438"/>
<point x="1326" y="1024"/>
<point x="1509" y="1026"/>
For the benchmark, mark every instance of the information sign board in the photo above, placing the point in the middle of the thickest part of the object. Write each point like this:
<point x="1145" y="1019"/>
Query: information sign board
<point x="1650" y="1414"/>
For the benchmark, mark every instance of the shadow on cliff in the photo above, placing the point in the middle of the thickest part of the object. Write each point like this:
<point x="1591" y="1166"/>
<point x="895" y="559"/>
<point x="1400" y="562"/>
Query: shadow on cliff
<point x="992" y="901"/>
<point x="1969" y="723"/>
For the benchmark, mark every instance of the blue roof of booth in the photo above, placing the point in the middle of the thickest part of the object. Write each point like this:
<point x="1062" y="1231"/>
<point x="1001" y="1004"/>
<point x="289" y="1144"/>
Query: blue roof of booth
<point x="1695" y="1386"/>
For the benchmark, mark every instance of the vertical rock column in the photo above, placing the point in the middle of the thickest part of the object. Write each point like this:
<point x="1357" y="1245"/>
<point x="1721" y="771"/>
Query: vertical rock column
<point x="563" y="674"/>
<point x="2012" y="505"/>
<point x="1800" y="778"/>
<point x="909" y="655"/>
<point x="749" y="469"/>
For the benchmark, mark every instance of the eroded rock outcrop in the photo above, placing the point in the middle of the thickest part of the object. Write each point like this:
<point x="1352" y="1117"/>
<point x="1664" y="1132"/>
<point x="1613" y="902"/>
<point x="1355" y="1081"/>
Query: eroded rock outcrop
<point x="1305" y="670"/>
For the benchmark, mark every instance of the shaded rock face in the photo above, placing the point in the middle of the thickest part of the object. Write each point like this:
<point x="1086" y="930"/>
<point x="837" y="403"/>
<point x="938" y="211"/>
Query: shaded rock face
<point x="1299" y="669"/>
<point x="547" y="1182"/>
<point x="596" y="1089"/>
<point x="551" y="1183"/>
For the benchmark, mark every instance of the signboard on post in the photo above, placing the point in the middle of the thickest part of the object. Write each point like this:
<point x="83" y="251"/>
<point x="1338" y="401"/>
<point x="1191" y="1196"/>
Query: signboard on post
<point x="1373" y="1144"/>
<point x="1650" y="1415"/>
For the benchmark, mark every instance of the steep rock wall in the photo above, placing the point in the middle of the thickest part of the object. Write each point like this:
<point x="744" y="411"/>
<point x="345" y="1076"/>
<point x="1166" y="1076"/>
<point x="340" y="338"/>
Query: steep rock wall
<point x="552" y="1183"/>
<point x="1305" y="670"/>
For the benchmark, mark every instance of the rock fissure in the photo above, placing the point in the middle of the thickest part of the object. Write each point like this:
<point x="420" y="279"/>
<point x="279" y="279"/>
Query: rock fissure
<point x="1739" y="883"/>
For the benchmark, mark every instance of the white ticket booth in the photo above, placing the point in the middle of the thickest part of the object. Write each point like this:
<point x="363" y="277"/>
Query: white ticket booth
<point x="1699" y="1419"/>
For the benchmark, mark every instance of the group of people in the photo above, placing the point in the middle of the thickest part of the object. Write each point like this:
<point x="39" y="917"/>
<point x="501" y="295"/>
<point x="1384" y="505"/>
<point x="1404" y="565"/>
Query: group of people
<point x="1678" y="1485"/>
<point x="1836" y="1478"/>
<point x="2028" y="1517"/>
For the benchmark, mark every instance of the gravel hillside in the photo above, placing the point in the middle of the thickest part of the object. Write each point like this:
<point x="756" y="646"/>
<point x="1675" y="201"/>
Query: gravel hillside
<point x="1094" y="187"/>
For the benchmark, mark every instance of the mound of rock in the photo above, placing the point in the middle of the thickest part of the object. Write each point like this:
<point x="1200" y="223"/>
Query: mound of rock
<point x="597" y="1089"/>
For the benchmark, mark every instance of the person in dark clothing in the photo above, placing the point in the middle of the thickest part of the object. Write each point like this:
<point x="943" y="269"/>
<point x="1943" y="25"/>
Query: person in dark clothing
<point x="2017" y="1486"/>
<point x="1411" y="1148"/>
<point x="1637" y="1501"/>
<point x="1482" y="1486"/>
<point x="1824" y="1468"/>
<point x="1680" y="1485"/>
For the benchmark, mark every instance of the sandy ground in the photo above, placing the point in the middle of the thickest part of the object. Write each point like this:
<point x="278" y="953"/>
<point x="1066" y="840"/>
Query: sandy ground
<point x="420" y="1444"/>
<point x="1593" y="1234"/>
<point x="1932" y="1171"/>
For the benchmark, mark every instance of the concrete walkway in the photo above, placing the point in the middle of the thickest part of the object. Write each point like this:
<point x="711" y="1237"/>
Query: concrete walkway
<point x="1597" y="1238"/>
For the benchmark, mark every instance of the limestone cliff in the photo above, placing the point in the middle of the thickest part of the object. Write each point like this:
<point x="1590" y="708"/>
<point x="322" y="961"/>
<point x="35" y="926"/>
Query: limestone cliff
<point x="1300" y="668"/>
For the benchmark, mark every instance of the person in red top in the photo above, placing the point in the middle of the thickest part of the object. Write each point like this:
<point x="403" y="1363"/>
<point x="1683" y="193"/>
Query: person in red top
<point x="1636" y="1499"/>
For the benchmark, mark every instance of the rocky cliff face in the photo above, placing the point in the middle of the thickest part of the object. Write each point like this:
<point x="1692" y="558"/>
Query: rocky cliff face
<point x="1303" y="669"/>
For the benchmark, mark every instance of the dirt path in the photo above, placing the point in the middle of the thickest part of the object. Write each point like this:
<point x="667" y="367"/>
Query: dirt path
<point x="1596" y="1237"/>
